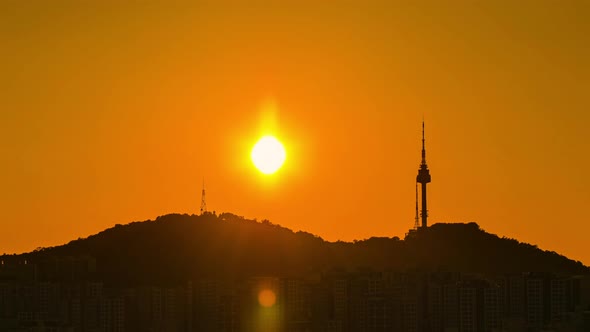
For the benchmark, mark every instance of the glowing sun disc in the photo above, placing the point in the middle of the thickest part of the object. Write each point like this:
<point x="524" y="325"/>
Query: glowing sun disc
<point x="268" y="155"/>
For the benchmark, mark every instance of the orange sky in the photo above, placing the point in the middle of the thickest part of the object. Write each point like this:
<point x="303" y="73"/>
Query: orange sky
<point x="111" y="114"/>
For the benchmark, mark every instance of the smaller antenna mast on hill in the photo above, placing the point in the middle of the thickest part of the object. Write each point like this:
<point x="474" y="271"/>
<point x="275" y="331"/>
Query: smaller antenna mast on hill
<point x="203" y="201"/>
<point x="417" y="218"/>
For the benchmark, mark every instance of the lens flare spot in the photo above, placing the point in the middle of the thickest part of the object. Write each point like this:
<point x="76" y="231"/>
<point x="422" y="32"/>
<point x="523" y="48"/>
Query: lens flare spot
<point x="267" y="298"/>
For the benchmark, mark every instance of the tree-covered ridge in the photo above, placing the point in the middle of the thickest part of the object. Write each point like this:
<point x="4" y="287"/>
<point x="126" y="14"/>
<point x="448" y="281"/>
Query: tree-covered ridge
<point x="179" y="247"/>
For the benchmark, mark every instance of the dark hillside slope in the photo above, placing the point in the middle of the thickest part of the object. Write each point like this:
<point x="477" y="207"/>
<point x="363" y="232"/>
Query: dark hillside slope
<point x="467" y="247"/>
<point x="176" y="247"/>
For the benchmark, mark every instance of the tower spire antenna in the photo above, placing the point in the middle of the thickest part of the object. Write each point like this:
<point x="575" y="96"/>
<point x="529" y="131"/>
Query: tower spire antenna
<point x="203" y="201"/>
<point x="423" y="145"/>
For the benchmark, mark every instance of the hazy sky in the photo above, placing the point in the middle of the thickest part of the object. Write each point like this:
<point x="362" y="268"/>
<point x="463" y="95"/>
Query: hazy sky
<point x="113" y="113"/>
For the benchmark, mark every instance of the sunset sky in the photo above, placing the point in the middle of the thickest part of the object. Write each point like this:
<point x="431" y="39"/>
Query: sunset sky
<point x="114" y="113"/>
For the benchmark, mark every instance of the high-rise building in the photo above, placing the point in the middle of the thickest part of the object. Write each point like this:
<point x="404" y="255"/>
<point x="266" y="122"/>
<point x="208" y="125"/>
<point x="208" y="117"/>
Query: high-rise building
<point x="492" y="307"/>
<point x="534" y="303"/>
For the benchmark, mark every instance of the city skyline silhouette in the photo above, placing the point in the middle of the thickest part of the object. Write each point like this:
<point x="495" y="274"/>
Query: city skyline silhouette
<point x="173" y="274"/>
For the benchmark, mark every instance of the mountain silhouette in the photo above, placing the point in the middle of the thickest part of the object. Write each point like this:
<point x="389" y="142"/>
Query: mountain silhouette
<point x="176" y="248"/>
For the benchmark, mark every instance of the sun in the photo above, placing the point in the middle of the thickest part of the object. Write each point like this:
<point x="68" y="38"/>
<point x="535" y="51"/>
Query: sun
<point x="268" y="155"/>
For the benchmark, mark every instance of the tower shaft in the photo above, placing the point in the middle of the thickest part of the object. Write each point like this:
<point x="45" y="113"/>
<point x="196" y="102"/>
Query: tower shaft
<point x="417" y="218"/>
<point x="424" y="212"/>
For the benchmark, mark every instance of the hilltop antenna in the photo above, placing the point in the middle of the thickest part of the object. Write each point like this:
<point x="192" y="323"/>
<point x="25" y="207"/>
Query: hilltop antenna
<point x="417" y="218"/>
<point x="203" y="202"/>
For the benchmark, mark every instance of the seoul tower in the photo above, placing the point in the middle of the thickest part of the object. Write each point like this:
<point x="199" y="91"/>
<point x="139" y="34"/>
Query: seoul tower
<point x="423" y="178"/>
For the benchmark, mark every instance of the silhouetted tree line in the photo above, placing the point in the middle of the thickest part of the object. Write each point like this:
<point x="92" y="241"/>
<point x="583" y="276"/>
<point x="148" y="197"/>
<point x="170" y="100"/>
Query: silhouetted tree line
<point x="179" y="247"/>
